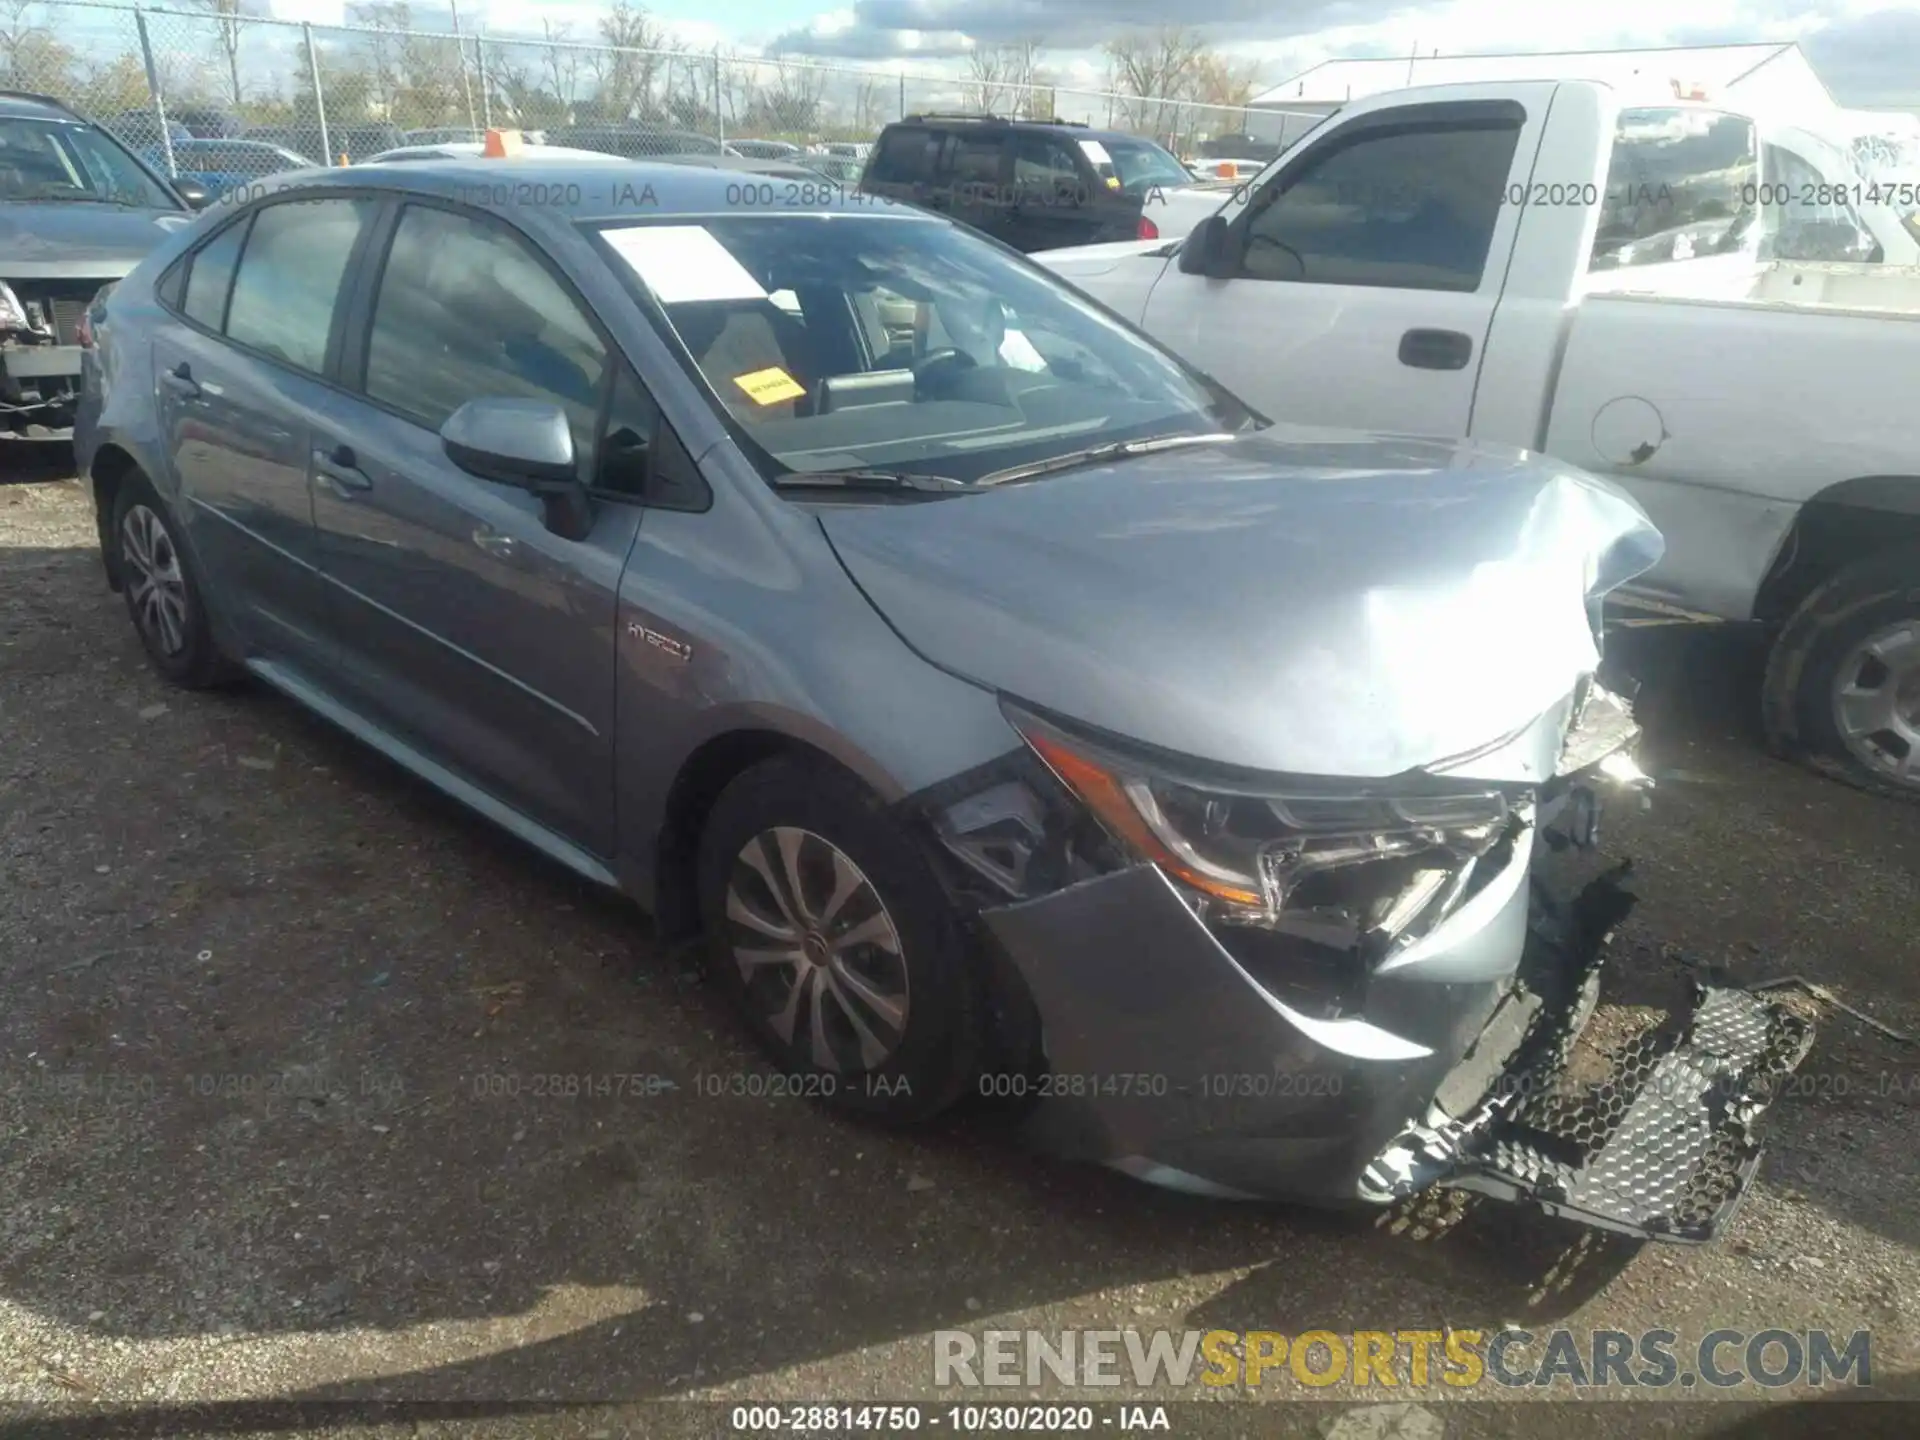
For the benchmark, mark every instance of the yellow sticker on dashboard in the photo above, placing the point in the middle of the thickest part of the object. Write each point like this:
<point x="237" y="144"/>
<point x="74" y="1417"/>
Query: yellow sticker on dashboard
<point x="769" y="386"/>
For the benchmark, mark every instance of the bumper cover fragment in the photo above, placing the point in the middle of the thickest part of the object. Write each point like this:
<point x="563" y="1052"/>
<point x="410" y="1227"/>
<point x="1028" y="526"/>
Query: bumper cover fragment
<point x="1664" y="1145"/>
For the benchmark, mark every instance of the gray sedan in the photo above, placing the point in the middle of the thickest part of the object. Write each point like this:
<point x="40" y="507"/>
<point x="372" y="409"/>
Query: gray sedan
<point x="1011" y="709"/>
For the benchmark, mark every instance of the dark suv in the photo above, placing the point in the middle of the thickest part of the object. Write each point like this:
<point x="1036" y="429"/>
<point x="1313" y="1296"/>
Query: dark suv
<point x="1032" y="184"/>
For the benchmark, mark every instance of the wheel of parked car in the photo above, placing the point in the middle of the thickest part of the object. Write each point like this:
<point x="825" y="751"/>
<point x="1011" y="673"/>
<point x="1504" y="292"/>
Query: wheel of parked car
<point x="1843" y="682"/>
<point x="163" y="590"/>
<point x="831" y="935"/>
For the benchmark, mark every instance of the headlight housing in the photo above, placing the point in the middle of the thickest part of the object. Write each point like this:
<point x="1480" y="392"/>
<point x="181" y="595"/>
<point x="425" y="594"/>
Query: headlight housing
<point x="1385" y="861"/>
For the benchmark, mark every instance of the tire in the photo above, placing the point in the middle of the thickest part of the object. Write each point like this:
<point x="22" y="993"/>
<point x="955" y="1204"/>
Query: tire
<point x="905" y="943"/>
<point x="169" y="609"/>
<point x="1850" y="655"/>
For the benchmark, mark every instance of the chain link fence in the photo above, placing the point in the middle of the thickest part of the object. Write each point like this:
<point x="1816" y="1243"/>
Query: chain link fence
<point x="174" y="82"/>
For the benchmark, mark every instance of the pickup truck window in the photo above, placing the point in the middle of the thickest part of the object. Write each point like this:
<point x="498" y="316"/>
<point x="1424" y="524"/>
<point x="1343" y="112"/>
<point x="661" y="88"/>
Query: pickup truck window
<point x="1807" y="217"/>
<point x="1412" y="208"/>
<point x="1683" y="184"/>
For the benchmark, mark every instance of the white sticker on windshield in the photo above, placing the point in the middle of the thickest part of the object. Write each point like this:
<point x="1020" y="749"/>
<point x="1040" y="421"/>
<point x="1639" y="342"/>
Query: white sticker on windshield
<point x="1019" y="353"/>
<point x="682" y="264"/>
<point x="1095" y="152"/>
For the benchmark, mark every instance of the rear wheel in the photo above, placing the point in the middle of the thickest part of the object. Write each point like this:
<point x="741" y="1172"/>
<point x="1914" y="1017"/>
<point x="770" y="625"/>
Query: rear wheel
<point x="163" y="591"/>
<point x="833" y="939"/>
<point x="1843" y="682"/>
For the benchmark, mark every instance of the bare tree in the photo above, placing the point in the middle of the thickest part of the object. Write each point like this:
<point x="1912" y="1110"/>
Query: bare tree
<point x="1002" y="76"/>
<point x="739" y="85"/>
<point x="872" y="100"/>
<point x="1153" y="68"/>
<point x="31" y="56"/>
<point x="562" y="63"/>
<point x="228" y="24"/>
<point x="792" y="102"/>
<point x="624" y="72"/>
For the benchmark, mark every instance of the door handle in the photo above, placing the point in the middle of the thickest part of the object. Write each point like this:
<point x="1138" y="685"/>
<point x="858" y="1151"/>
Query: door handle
<point x="339" y="470"/>
<point x="180" y="380"/>
<point x="1435" y="349"/>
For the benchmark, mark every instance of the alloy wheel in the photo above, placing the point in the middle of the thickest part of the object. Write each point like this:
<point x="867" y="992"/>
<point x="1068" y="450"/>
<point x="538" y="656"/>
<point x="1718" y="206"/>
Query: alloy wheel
<point x="156" y="585"/>
<point x="1876" y="703"/>
<point x="819" y="956"/>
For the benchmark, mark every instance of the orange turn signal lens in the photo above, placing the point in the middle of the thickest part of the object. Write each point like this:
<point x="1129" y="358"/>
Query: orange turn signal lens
<point x="1107" y="798"/>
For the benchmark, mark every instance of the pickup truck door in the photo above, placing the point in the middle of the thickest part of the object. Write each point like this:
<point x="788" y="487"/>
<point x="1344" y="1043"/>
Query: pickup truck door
<point x="1366" y="266"/>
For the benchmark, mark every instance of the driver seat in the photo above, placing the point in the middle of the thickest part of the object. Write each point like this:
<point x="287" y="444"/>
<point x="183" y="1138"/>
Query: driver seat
<point x="728" y="339"/>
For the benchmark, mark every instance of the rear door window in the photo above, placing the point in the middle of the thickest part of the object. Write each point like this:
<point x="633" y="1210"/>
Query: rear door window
<point x="906" y="156"/>
<point x="211" y="278"/>
<point x="289" y="281"/>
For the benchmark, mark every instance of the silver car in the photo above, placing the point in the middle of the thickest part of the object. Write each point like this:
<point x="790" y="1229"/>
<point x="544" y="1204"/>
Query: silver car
<point x="1013" y="711"/>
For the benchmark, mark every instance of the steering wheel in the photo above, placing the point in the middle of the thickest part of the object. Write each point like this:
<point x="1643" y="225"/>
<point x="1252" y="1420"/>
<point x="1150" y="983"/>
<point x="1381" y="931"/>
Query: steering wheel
<point x="938" y="365"/>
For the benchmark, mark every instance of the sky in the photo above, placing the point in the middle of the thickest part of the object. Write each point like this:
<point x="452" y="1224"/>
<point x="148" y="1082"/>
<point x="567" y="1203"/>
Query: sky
<point x="1868" y="52"/>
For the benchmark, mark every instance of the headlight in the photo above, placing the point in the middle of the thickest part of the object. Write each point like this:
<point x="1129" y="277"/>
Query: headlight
<point x="1379" y="860"/>
<point x="13" y="315"/>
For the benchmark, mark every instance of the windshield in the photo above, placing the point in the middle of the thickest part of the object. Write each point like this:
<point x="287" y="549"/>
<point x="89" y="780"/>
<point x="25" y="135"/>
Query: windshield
<point x="880" y="342"/>
<point x="1142" y="165"/>
<point x="52" y="160"/>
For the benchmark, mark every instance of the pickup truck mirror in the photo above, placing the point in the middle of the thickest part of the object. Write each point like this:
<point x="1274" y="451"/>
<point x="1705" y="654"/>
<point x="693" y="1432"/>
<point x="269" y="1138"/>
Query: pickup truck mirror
<point x="1205" y="250"/>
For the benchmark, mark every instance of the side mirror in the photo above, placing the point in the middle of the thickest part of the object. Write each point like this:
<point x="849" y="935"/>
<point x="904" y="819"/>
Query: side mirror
<point x="1205" y="250"/>
<point x="527" y="444"/>
<point x="197" y="196"/>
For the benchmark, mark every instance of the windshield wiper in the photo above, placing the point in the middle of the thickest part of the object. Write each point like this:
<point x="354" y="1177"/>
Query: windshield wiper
<point x="868" y="480"/>
<point x="1094" y="455"/>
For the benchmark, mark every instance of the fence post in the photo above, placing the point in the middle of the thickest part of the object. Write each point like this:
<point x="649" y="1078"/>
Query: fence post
<point x="154" y="89"/>
<point x="486" y="85"/>
<point x="319" y="100"/>
<point x="460" y="49"/>
<point x="719" y="108"/>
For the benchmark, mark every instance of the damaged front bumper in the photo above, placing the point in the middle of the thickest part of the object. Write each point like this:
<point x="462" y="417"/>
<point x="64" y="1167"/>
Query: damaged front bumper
<point x="1181" y="1053"/>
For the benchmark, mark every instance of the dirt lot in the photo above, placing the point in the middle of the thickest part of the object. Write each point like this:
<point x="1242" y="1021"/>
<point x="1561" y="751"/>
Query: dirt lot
<point x="272" y="1017"/>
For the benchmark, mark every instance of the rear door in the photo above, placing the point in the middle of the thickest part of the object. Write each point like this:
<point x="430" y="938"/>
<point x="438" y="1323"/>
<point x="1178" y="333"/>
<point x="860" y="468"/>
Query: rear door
<point x="1366" y="270"/>
<point x="904" y="165"/>
<point x="466" y="627"/>
<point x="976" y="174"/>
<point x="239" y="389"/>
<point x="1057" y="201"/>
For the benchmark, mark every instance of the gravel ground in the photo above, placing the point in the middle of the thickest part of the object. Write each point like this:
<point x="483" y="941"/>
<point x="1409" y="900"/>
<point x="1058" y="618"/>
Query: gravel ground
<point x="274" y="1015"/>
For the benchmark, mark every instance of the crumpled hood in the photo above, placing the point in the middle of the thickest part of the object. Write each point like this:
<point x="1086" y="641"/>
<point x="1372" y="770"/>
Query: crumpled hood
<point x="1298" y="601"/>
<point x="50" y="241"/>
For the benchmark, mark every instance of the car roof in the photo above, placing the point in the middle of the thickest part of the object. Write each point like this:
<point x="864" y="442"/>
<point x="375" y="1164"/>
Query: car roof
<point x="623" y="190"/>
<point x="463" y="149"/>
<point x="1068" y="128"/>
<point x="26" y="104"/>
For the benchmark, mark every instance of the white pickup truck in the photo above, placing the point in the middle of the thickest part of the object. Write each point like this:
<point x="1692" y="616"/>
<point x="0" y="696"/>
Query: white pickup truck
<point x="1657" y="294"/>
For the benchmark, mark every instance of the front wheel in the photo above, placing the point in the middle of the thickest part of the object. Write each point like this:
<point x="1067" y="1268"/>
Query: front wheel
<point x="1843" y="681"/>
<point x="834" y="941"/>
